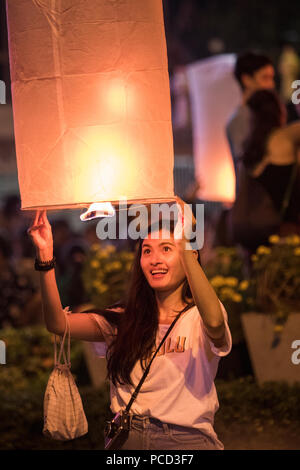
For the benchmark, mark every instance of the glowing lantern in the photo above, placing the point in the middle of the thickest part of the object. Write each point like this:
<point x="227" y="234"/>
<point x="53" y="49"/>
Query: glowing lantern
<point x="214" y="97"/>
<point x="91" y="102"/>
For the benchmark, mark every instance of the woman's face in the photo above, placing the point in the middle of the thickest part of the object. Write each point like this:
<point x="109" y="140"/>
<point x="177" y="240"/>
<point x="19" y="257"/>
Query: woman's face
<point x="161" y="263"/>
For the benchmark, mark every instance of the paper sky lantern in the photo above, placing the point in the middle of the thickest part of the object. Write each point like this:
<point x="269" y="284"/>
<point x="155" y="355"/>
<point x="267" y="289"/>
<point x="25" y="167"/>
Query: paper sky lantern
<point x="91" y="102"/>
<point x="214" y="97"/>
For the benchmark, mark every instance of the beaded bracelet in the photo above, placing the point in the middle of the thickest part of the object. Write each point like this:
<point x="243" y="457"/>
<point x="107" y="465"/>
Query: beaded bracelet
<point x="44" y="265"/>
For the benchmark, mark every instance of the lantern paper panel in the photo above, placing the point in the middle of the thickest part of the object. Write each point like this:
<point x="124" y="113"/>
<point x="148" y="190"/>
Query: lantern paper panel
<point x="91" y="101"/>
<point x="214" y="97"/>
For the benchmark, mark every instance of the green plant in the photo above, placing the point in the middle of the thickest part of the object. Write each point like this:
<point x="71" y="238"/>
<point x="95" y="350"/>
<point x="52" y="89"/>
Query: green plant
<point x="226" y="275"/>
<point x="30" y="358"/>
<point x="234" y="294"/>
<point x="21" y="421"/>
<point x="105" y="274"/>
<point x="276" y="278"/>
<point x="244" y="400"/>
<point x="272" y="286"/>
<point x="227" y="262"/>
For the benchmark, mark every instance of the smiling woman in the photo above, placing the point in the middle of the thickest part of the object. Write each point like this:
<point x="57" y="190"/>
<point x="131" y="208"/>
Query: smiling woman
<point x="176" y="403"/>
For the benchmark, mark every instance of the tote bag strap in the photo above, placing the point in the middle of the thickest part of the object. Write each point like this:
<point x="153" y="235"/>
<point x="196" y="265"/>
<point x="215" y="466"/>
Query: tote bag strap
<point x="57" y="360"/>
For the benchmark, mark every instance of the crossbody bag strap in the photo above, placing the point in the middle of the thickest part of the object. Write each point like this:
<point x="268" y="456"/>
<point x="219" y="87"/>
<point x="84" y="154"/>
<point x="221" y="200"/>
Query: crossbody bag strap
<point x="137" y="389"/>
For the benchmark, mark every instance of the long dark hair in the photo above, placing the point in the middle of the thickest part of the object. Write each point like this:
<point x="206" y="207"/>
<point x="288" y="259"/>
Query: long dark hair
<point x="267" y="116"/>
<point x="138" y="325"/>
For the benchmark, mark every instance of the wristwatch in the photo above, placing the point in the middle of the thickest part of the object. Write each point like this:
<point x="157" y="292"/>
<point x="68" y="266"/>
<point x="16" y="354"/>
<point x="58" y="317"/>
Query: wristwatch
<point x="44" y="265"/>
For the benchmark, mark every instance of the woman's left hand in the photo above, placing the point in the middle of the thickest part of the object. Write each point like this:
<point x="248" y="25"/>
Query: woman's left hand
<point x="186" y="221"/>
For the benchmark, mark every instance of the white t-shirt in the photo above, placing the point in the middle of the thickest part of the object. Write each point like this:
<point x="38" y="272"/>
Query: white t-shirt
<point x="180" y="387"/>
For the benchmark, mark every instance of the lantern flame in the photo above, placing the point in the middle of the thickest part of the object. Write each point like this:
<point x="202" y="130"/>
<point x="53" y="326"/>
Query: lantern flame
<point x="98" y="209"/>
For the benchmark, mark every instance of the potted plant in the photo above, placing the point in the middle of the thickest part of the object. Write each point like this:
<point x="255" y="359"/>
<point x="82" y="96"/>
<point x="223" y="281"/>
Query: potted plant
<point x="273" y="322"/>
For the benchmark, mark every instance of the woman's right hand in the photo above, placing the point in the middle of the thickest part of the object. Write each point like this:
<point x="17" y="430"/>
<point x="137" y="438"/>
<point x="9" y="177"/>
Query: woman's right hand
<point x="40" y="233"/>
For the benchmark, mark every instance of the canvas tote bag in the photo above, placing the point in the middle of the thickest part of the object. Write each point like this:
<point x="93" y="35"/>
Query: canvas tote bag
<point x="64" y="417"/>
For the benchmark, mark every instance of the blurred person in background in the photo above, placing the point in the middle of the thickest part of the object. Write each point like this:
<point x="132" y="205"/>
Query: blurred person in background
<point x="253" y="72"/>
<point x="270" y="153"/>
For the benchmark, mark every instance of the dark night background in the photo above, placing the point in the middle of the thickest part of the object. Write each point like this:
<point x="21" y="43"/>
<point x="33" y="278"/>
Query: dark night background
<point x="191" y="24"/>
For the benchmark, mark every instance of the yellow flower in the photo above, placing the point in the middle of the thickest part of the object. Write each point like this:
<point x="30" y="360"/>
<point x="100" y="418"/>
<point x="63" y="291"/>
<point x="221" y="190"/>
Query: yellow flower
<point x="278" y="328"/>
<point x="227" y="292"/>
<point x="95" y="263"/>
<point x="108" y="267"/>
<point x="95" y="247"/>
<point x="217" y="281"/>
<point x="127" y="255"/>
<point x="96" y="284"/>
<point x="292" y="240"/>
<point x="297" y="251"/>
<point x="237" y="297"/>
<point x="296" y="239"/>
<point x="113" y="266"/>
<point x="263" y="250"/>
<point x="102" y="253"/>
<point x="274" y="239"/>
<point x="244" y="285"/>
<point x="117" y="265"/>
<point x="254" y="258"/>
<point x="102" y="288"/>
<point x="128" y="266"/>
<point x="48" y="362"/>
<point x="110" y="249"/>
<point x="231" y="281"/>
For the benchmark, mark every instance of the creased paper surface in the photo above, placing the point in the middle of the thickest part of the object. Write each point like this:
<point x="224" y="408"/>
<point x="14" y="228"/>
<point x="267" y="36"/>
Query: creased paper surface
<point x="91" y="101"/>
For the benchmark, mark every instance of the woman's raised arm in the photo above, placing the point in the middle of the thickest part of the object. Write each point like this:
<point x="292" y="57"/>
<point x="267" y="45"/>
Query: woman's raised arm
<point x="82" y="325"/>
<point x="293" y="132"/>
